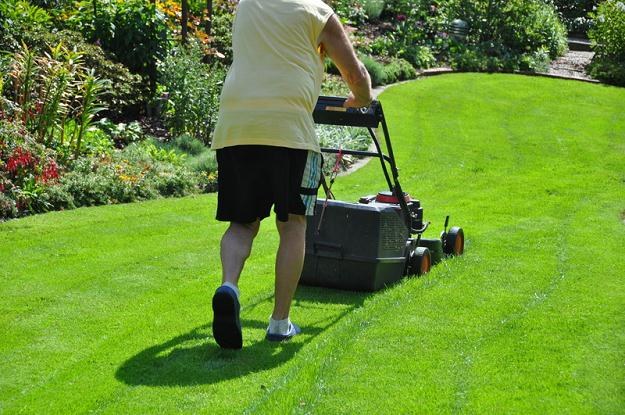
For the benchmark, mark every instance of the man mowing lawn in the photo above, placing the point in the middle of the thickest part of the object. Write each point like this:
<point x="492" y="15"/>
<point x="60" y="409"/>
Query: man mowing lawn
<point x="267" y="151"/>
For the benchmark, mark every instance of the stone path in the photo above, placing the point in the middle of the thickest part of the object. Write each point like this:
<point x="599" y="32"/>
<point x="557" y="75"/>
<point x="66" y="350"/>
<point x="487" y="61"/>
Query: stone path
<point x="572" y="65"/>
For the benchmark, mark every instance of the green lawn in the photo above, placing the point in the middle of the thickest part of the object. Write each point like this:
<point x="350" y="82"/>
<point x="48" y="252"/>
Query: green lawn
<point x="107" y="310"/>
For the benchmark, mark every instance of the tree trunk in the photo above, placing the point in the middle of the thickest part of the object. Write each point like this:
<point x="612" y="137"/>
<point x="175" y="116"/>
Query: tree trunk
<point x="209" y="16"/>
<point x="185" y="20"/>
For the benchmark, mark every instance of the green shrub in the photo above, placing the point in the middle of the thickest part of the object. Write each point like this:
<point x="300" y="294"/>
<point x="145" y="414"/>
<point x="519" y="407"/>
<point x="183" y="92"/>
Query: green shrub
<point x="350" y="12"/>
<point x="205" y="162"/>
<point x="121" y="134"/>
<point x="8" y="207"/>
<point x="222" y="35"/>
<point x="192" y="90"/>
<point x="382" y="45"/>
<point x="420" y="31"/>
<point x="135" y="31"/>
<point x="164" y="155"/>
<point x="125" y="95"/>
<point x="399" y="70"/>
<point x="373" y="8"/>
<point x="189" y="144"/>
<point x="478" y="58"/>
<point x="97" y="143"/>
<point x="19" y="18"/>
<point x="608" y="39"/>
<point x="136" y="173"/>
<point x="421" y="57"/>
<point x="57" y="197"/>
<point x="507" y="34"/>
<point x="334" y="85"/>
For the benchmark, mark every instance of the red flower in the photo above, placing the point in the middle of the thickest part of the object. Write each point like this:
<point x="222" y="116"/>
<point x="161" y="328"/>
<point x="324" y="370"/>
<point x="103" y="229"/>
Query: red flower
<point x="401" y="17"/>
<point x="50" y="172"/>
<point x="20" y="159"/>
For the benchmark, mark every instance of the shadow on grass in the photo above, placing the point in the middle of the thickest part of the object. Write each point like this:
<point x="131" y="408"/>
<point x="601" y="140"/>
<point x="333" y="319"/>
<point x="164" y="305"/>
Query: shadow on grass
<point x="188" y="359"/>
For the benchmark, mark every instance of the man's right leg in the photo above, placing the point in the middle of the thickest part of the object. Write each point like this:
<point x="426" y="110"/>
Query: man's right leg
<point x="236" y="245"/>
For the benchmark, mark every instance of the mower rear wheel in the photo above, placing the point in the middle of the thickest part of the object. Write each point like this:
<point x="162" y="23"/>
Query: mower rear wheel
<point x="453" y="242"/>
<point x="420" y="261"/>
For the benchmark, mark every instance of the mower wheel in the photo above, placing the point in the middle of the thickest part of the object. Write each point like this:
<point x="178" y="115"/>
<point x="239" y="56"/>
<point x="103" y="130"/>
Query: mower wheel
<point x="453" y="241"/>
<point x="420" y="261"/>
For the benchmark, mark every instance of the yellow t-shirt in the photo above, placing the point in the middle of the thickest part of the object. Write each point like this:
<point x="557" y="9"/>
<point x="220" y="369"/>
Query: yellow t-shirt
<point x="275" y="78"/>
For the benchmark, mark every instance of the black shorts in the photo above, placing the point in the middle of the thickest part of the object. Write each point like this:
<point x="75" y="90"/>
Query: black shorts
<point x="252" y="178"/>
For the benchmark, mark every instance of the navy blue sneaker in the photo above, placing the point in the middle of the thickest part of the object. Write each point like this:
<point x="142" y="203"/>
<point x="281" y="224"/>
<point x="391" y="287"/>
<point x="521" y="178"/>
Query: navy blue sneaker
<point x="293" y="330"/>
<point x="226" y="323"/>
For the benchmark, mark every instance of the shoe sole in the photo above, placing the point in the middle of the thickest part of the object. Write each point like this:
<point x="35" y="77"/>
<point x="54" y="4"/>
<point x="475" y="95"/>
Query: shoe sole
<point x="226" y="323"/>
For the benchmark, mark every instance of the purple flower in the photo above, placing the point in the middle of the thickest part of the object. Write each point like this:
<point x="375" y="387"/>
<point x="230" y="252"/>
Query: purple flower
<point x="401" y="17"/>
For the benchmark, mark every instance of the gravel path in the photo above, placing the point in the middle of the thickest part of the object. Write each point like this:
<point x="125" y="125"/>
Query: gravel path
<point x="572" y="65"/>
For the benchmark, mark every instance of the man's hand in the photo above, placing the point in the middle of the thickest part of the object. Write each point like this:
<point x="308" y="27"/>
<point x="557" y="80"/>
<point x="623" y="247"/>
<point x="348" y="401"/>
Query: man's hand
<point x="353" y="102"/>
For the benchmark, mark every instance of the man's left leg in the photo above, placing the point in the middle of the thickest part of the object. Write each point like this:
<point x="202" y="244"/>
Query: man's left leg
<point x="289" y="263"/>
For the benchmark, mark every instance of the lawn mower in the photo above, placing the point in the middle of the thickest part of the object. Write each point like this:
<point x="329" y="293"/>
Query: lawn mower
<point x="369" y="244"/>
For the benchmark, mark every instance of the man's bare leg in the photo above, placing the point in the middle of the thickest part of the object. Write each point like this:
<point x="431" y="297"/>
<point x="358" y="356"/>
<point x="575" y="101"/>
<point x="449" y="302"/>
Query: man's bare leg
<point x="236" y="245"/>
<point x="289" y="263"/>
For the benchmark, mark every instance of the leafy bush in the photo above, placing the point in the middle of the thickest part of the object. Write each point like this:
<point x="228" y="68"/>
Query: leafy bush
<point x="205" y="162"/>
<point x="608" y="39"/>
<point x="134" y="31"/>
<point x="18" y="18"/>
<point x="507" y="34"/>
<point x="121" y="134"/>
<point x="125" y="95"/>
<point x="399" y="70"/>
<point x="334" y="85"/>
<point x="222" y="35"/>
<point x="26" y="170"/>
<point x="350" y="12"/>
<point x="136" y="173"/>
<point x="420" y="31"/>
<point x="383" y="71"/>
<point x="192" y="89"/>
<point x="479" y="58"/>
<point x="51" y="92"/>
<point x="189" y="144"/>
<point x="373" y="8"/>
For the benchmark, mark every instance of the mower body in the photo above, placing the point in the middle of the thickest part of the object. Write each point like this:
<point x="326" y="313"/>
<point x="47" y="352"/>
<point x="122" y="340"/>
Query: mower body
<point x="356" y="246"/>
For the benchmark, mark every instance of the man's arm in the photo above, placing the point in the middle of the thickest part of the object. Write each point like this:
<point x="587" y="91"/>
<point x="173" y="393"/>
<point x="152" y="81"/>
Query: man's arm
<point x="335" y="43"/>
